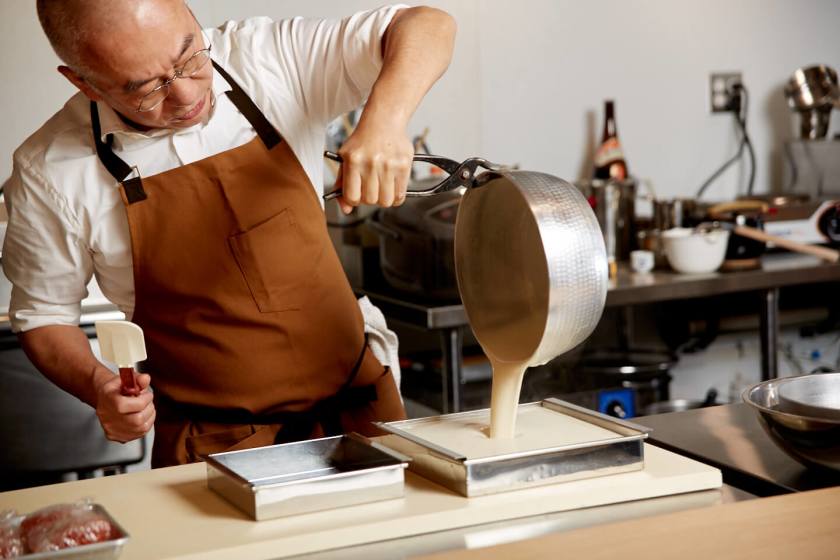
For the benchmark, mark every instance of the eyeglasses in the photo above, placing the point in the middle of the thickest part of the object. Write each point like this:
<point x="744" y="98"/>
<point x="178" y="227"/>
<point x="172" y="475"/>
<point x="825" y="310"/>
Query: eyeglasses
<point x="191" y="67"/>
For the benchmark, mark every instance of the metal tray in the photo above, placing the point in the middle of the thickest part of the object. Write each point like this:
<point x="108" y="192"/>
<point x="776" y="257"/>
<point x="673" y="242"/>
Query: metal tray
<point x="622" y="450"/>
<point x="105" y="550"/>
<point x="306" y="476"/>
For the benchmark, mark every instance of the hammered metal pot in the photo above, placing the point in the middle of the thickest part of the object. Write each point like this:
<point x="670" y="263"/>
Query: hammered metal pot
<point x="530" y="258"/>
<point x="531" y="265"/>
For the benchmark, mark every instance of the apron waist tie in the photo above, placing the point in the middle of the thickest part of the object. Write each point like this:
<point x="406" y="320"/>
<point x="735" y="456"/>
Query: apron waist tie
<point x="295" y="425"/>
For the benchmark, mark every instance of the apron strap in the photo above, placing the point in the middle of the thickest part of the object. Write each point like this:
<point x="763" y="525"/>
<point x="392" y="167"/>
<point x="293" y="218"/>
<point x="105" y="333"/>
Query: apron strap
<point x="120" y="170"/>
<point x="266" y="131"/>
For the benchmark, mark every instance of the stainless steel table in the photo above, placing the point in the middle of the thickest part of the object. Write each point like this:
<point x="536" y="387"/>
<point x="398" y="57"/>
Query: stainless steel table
<point x="730" y="437"/>
<point x="777" y="271"/>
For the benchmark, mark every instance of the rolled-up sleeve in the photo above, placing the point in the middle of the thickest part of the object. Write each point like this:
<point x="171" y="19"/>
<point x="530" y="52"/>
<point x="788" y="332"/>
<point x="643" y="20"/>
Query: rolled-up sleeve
<point x="43" y="257"/>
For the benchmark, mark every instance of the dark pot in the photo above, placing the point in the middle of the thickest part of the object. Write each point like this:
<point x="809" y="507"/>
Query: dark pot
<point x="741" y="252"/>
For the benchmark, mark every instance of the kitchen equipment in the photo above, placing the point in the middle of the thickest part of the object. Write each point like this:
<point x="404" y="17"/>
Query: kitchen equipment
<point x="812" y="440"/>
<point x="692" y="251"/>
<point x="573" y="443"/>
<point x="742" y="253"/>
<point x="417" y="245"/>
<point x="122" y="343"/>
<point x="824" y="253"/>
<point x="459" y="174"/>
<point x="813" y="93"/>
<point x="307" y="476"/>
<point x="646" y="372"/>
<point x="614" y="203"/>
<point x="681" y="405"/>
<point x="805" y="221"/>
<point x="816" y="395"/>
<point x="529" y="257"/>
<point x="642" y="261"/>
<point x="531" y="265"/>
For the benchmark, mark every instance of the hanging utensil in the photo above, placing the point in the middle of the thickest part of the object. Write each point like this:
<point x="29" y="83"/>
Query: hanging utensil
<point x="122" y="343"/>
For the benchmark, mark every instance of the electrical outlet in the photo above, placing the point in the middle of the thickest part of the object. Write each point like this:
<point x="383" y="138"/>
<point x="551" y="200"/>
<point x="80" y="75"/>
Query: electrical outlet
<point x="721" y="91"/>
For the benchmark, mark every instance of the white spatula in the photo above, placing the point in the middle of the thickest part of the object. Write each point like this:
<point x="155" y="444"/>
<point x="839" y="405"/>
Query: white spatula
<point x="122" y="343"/>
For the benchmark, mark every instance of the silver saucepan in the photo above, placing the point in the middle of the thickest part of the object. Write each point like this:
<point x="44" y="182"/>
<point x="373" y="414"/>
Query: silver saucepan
<point x="529" y="257"/>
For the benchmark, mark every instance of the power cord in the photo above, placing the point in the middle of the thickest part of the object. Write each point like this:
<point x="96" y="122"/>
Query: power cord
<point x="740" y="101"/>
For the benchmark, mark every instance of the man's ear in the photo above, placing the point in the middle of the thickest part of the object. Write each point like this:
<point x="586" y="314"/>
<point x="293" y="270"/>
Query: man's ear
<point x="79" y="82"/>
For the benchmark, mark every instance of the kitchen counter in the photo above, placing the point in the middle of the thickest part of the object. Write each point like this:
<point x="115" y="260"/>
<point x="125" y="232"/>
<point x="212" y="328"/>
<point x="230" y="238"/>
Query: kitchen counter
<point x="731" y="438"/>
<point x="784" y="527"/>
<point x="170" y="513"/>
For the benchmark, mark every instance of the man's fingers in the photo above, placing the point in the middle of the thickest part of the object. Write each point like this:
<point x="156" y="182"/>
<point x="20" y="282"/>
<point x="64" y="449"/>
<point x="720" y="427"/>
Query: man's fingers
<point x="401" y="186"/>
<point x="129" y="405"/>
<point x="351" y="183"/>
<point x="371" y="184"/>
<point x="387" y="188"/>
<point x="143" y="380"/>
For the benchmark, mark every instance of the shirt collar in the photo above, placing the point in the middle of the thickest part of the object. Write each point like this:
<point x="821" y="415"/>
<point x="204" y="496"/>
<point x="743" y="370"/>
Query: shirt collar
<point x="111" y="122"/>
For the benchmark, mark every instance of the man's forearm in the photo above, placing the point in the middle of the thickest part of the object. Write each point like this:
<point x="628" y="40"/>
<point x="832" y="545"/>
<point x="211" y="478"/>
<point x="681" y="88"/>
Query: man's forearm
<point x="62" y="353"/>
<point x="416" y="51"/>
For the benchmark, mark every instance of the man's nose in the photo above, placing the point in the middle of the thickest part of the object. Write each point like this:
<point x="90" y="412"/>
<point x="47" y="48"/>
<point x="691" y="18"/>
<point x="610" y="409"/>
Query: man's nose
<point x="183" y="91"/>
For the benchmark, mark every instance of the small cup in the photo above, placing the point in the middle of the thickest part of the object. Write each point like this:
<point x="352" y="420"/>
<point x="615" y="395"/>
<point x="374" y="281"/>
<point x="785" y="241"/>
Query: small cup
<point x="641" y="261"/>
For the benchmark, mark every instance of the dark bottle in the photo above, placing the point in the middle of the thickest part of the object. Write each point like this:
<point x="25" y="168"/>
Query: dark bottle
<point x="609" y="159"/>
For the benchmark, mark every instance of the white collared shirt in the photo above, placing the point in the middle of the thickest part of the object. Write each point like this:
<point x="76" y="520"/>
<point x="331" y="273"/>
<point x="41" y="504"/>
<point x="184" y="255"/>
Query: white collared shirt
<point x="67" y="221"/>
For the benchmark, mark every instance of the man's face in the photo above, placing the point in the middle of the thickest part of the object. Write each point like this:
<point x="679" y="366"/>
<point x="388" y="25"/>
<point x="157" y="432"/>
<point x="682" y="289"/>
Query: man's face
<point x="142" y="51"/>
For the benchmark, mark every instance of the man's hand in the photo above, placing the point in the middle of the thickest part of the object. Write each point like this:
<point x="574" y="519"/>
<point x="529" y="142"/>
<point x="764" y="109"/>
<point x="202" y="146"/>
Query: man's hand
<point x="417" y="48"/>
<point x="123" y="418"/>
<point x="376" y="165"/>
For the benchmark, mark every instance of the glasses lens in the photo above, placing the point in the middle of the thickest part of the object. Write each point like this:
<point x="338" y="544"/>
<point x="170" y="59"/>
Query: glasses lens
<point x="154" y="98"/>
<point x="196" y="62"/>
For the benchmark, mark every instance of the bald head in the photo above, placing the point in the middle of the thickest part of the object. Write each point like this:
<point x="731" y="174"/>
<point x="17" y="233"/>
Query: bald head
<point x="76" y="29"/>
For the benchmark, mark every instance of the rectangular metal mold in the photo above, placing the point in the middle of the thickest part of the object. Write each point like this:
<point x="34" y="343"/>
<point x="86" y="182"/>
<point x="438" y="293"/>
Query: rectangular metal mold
<point x="307" y="476"/>
<point x="105" y="550"/>
<point x="620" y="453"/>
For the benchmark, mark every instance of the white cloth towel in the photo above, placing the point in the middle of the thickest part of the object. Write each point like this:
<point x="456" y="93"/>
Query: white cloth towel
<point x="383" y="341"/>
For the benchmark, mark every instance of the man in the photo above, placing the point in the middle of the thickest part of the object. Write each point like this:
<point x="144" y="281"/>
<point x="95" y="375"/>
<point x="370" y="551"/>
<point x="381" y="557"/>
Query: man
<point x="185" y="175"/>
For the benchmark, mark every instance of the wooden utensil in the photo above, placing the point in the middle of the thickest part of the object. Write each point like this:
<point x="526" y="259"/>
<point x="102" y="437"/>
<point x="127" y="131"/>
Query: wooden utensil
<point x="122" y="343"/>
<point x="824" y="253"/>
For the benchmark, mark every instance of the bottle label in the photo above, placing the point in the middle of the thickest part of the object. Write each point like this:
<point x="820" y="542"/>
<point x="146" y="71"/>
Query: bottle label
<point x="608" y="152"/>
<point x="610" y="157"/>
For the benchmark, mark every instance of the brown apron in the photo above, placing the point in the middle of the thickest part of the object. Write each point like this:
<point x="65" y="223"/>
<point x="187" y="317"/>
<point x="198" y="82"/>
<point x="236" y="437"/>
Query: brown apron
<point x="253" y="333"/>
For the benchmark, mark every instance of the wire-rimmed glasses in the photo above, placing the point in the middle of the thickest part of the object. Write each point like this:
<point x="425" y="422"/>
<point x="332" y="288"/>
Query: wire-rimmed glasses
<point x="190" y="68"/>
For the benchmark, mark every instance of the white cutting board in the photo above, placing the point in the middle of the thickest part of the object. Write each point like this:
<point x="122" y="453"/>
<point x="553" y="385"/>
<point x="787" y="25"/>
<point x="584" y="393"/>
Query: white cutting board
<point x="170" y="513"/>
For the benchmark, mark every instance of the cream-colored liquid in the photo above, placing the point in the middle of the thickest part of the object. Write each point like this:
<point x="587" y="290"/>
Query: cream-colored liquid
<point x="504" y="399"/>
<point x="537" y="427"/>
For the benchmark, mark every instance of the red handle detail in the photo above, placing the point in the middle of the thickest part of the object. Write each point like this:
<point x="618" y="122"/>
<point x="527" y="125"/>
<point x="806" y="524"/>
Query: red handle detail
<point x="130" y="388"/>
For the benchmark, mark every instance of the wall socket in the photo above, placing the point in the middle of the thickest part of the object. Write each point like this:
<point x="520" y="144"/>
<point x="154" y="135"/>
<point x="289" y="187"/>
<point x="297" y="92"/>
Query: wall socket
<point x="721" y="88"/>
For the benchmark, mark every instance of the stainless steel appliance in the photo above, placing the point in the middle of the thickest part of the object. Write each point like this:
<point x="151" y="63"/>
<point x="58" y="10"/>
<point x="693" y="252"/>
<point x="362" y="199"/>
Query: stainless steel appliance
<point x="813" y="160"/>
<point x="813" y="93"/>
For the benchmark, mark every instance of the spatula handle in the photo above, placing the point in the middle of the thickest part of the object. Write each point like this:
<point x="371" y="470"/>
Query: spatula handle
<point x="130" y="388"/>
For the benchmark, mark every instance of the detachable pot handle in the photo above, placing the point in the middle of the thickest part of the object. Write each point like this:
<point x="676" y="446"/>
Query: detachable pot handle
<point x="460" y="174"/>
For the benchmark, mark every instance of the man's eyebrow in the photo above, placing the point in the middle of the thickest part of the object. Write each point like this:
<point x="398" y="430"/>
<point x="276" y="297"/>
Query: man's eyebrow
<point x="134" y="85"/>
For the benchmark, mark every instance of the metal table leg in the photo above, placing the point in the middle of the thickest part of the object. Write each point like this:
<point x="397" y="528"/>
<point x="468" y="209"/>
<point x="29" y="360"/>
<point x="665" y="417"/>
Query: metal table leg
<point x="769" y="328"/>
<point x="452" y="340"/>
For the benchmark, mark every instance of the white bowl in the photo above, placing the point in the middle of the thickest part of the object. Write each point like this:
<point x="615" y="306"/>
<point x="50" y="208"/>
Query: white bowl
<point x="695" y="252"/>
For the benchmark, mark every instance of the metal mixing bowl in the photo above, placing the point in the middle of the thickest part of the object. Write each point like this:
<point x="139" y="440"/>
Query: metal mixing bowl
<point x="811" y="440"/>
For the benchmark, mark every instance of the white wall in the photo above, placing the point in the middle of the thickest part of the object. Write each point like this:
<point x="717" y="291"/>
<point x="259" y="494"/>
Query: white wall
<point x="529" y="78"/>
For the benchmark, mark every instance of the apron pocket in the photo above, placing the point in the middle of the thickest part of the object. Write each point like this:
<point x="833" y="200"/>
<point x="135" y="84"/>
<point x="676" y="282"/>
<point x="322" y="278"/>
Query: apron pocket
<point x="267" y="255"/>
